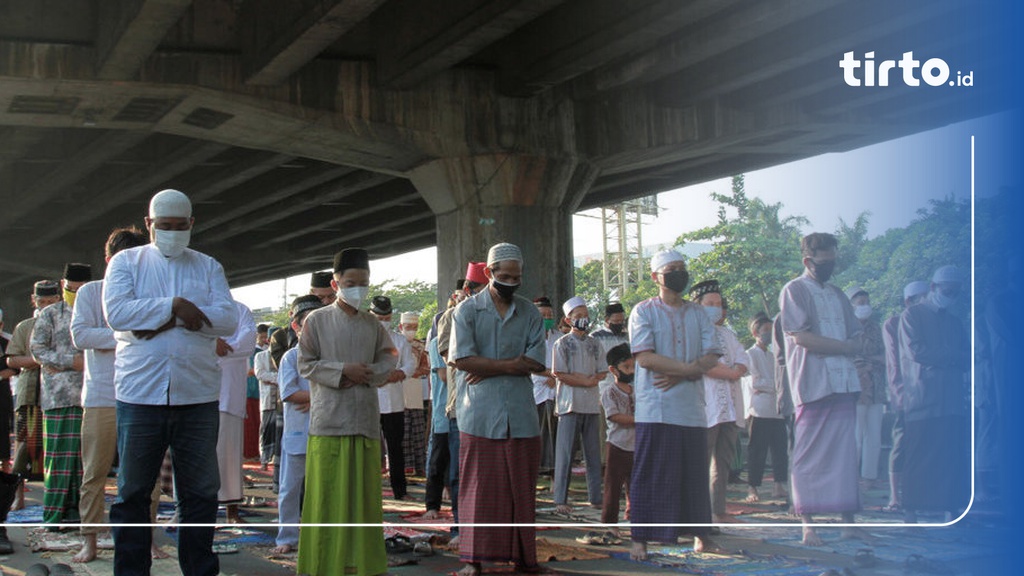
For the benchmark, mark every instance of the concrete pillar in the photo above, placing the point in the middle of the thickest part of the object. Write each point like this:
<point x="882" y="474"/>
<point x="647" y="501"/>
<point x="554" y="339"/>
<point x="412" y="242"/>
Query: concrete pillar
<point x="524" y="199"/>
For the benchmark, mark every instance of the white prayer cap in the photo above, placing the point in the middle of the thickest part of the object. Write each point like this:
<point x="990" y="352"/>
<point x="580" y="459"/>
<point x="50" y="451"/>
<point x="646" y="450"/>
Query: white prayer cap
<point x="574" y="302"/>
<point x="665" y="257"/>
<point x="915" y="288"/>
<point x="502" y="252"/>
<point x="170" y="204"/>
<point x="854" y="290"/>
<point x="409" y="318"/>
<point x="948" y="273"/>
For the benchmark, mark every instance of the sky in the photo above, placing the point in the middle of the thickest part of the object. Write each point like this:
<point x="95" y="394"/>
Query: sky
<point x="891" y="181"/>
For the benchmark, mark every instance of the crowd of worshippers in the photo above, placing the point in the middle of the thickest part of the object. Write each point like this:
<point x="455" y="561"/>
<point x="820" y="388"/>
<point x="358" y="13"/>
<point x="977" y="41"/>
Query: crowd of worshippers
<point x="150" y="365"/>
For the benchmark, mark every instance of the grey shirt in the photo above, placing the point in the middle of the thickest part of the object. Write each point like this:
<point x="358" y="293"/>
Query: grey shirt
<point x="615" y="401"/>
<point x="499" y="407"/>
<point x="52" y="347"/>
<point x="330" y="339"/>
<point x="935" y="352"/>
<point x="577" y="355"/>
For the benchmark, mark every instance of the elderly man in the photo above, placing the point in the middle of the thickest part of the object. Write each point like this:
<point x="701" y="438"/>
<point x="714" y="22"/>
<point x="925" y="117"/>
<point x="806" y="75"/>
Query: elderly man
<point x="497" y="342"/>
<point x="821" y="335"/>
<point x="935" y="352"/>
<point x="167" y="304"/>
<point x="61" y="399"/>
<point x="346" y="355"/>
<point x="673" y="341"/>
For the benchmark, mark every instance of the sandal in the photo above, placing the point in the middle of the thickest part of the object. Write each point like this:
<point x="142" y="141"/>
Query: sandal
<point x="423" y="549"/>
<point x="397" y="544"/>
<point x="591" y="539"/>
<point x="609" y="540"/>
<point x="918" y="563"/>
<point x="225" y="549"/>
<point x="865" y="558"/>
<point x="38" y="570"/>
<point x="62" y="570"/>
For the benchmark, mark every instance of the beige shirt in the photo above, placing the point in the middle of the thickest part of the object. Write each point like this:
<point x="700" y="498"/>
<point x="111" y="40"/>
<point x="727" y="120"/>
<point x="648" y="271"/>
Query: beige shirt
<point x="330" y="339"/>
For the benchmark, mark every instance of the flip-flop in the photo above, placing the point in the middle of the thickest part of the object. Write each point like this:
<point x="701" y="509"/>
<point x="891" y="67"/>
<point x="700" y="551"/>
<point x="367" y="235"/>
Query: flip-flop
<point x="608" y="539"/>
<point x="591" y="539"/>
<point x="38" y="570"/>
<point x="397" y="544"/>
<point x="423" y="549"/>
<point x="62" y="570"/>
<point x="225" y="549"/>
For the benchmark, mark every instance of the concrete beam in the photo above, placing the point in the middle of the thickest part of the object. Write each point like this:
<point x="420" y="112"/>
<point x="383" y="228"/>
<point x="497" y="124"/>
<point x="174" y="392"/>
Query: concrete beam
<point x="145" y="182"/>
<point x="581" y="35"/>
<point x="317" y="197"/>
<point x="129" y="30"/>
<point x="379" y="223"/>
<point x="281" y="37"/>
<point x="106" y="146"/>
<point x="235" y="175"/>
<point x="425" y="38"/>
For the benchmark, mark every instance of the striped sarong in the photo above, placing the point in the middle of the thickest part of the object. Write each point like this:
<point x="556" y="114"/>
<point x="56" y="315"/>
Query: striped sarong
<point x="669" y="482"/>
<point x="825" y="463"/>
<point x="62" y="462"/>
<point x="414" y="444"/>
<point x="343" y="485"/>
<point x="497" y="484"/>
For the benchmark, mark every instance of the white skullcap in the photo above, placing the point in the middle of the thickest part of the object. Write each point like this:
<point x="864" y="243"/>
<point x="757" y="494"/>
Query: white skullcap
<point x="665" y="257"/>
<point x="947" y="273"/>
<point x="408" y="317"/>
<point x="853" y="291"/>
<point x="915" y="288"/>
<point x="170" y="204"/>
<point x="502" y="252"/>
<point x="574" y="302"/>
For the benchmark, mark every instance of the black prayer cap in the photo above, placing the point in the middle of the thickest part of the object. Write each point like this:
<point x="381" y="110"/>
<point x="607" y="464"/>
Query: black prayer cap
<point x="46" y="288"/>
<point x="320" y="280"/>
<point x="351" y="258"/>
<point x="705" y="287"/>
<point x="542" y="302"/>
<point x="460" y="283"/>
<point x="613" y="308"/>
<point x="381" y="305"/>
<point x="304" y="303"/>
<point x="77" y="272"/>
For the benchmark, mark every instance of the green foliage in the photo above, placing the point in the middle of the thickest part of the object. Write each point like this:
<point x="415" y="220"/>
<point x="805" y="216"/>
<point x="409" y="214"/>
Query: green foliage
<point x="277" y="318"/>
<point x="589" y="282"/>
<point x="756" y="251"/>
<point x="410" y="297"/>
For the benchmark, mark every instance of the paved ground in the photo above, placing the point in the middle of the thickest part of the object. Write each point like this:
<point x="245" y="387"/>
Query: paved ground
<point x="957" y="550"/>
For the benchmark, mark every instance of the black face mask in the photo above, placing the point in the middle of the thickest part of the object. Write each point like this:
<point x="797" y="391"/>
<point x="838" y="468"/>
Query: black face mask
<point x="505" y="291"/>
<point x="676" y="280"/>
<point x="823" y="271"/>
<point x="625" y="378"/>
<point x="617" y="329"/>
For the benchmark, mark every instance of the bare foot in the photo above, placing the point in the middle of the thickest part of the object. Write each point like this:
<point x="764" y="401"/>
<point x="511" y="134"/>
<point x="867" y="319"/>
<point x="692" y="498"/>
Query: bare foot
<point x="282" y="549"/>
<point x="752" y="495"/>
<point x="811" y="537"/>
<point x="157" y="553"/>
<point x="406" y="498"/>
<point x="563" y="509"/>
<point x="470" y="569"/>
<point x="88" y="551"/>
<point x="706" y="544"/>
<point x="454" y="542"/>
<point x="638" y="551"/>
<point x="854" y="533"/>
<point x="431" y="515"/>
<point x="780" y="491"/>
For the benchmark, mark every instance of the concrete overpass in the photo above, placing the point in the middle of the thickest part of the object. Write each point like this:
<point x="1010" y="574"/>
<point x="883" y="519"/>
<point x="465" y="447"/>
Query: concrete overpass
<point x="304" y="126"/>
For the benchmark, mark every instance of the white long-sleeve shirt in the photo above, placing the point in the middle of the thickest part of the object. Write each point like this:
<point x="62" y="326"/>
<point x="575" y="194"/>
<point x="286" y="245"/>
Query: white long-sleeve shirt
<point x="392" y="396"/>
<point x="268" y="377"/>
<point x="91" y="334"/>
<point x="178" y="366"/>
<point x="234" y="366"/>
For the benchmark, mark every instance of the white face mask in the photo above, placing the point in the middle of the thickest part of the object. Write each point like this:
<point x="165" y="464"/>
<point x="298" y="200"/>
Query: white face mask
<point x="410" y="335"/>
<point x="862" y="312"/>
<point x="171" y="243"/>
<point x="940" y="299"/>
<point x="714" y="313"/>
<point x="353" y="296"/>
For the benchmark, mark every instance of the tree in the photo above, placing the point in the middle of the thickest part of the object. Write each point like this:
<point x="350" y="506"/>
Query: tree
<point x="754" y="254"/>
<point x="409" y="297"/>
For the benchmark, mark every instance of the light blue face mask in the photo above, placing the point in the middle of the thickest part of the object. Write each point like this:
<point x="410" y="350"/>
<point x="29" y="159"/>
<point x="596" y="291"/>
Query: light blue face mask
<point x="941" y="300"/>
<point x="714" y="313"/>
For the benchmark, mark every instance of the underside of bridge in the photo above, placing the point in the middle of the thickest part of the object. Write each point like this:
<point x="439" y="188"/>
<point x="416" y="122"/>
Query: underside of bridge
<point x="300" y="127"/>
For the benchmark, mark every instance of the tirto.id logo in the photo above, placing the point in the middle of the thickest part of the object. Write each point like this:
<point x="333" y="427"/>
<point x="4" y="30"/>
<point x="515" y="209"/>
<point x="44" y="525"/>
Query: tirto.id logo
<point x="867" y="72"/>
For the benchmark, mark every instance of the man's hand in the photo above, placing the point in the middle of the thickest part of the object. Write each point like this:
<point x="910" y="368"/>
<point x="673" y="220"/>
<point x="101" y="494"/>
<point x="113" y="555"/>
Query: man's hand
<point x="707" y="362"/>
<point x="78" y="364"/>
<point x="356" y="373"/>
<point x="189" y="313"/>
<point x="395" y="376"/>
<point x="223" y="348"/>
<point x="301" y="407"/>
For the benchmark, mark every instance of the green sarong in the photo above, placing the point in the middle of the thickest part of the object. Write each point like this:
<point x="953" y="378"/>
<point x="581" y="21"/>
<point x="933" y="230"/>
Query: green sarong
<point x="62" y="463"/>
<point x="343" y="486"/>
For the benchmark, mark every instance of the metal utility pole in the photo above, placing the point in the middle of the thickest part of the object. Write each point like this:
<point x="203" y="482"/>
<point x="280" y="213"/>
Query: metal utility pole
<point x="621" y="225"/>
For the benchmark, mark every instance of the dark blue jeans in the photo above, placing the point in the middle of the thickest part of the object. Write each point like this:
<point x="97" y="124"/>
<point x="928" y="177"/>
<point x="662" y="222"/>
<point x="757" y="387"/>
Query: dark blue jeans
<point x="144" y="433"/>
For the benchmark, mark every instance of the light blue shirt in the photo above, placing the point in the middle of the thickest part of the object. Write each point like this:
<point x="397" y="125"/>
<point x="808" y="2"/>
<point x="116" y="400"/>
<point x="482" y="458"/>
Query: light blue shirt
<point x="438" y="390"/>
<point x="296" y="423"/>
<point x="178" y="366"/>
<point x="499" y="407"/>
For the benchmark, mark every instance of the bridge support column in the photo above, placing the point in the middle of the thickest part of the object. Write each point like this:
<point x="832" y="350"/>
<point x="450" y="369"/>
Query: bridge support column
<point x="523" y="199"/>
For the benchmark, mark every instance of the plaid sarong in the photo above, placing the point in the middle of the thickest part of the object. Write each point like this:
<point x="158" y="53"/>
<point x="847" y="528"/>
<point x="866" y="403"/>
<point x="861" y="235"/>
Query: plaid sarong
<point x="62" y="462"/>
<point x="414" y="444"/>
<point x="498" y="481"/>
<point x="29" y="460"/>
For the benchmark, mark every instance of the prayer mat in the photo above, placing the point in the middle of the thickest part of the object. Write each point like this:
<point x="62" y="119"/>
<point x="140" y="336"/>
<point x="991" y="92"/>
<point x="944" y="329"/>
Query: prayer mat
<point x="391" y="530"/>
<point x="32" y="514"/>
<point x="892" y="547"/>
<point x="690" y="562"/>
<point x="581" y="514"/>
<point x="548" y="551"/>
<point x="444" y="517"/>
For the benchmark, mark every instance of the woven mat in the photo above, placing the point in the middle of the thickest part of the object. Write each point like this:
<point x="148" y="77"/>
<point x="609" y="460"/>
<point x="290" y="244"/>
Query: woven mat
<point x="548" y="551"/>
<point x="32" y="514"/>
<point x="687" y="561"/>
